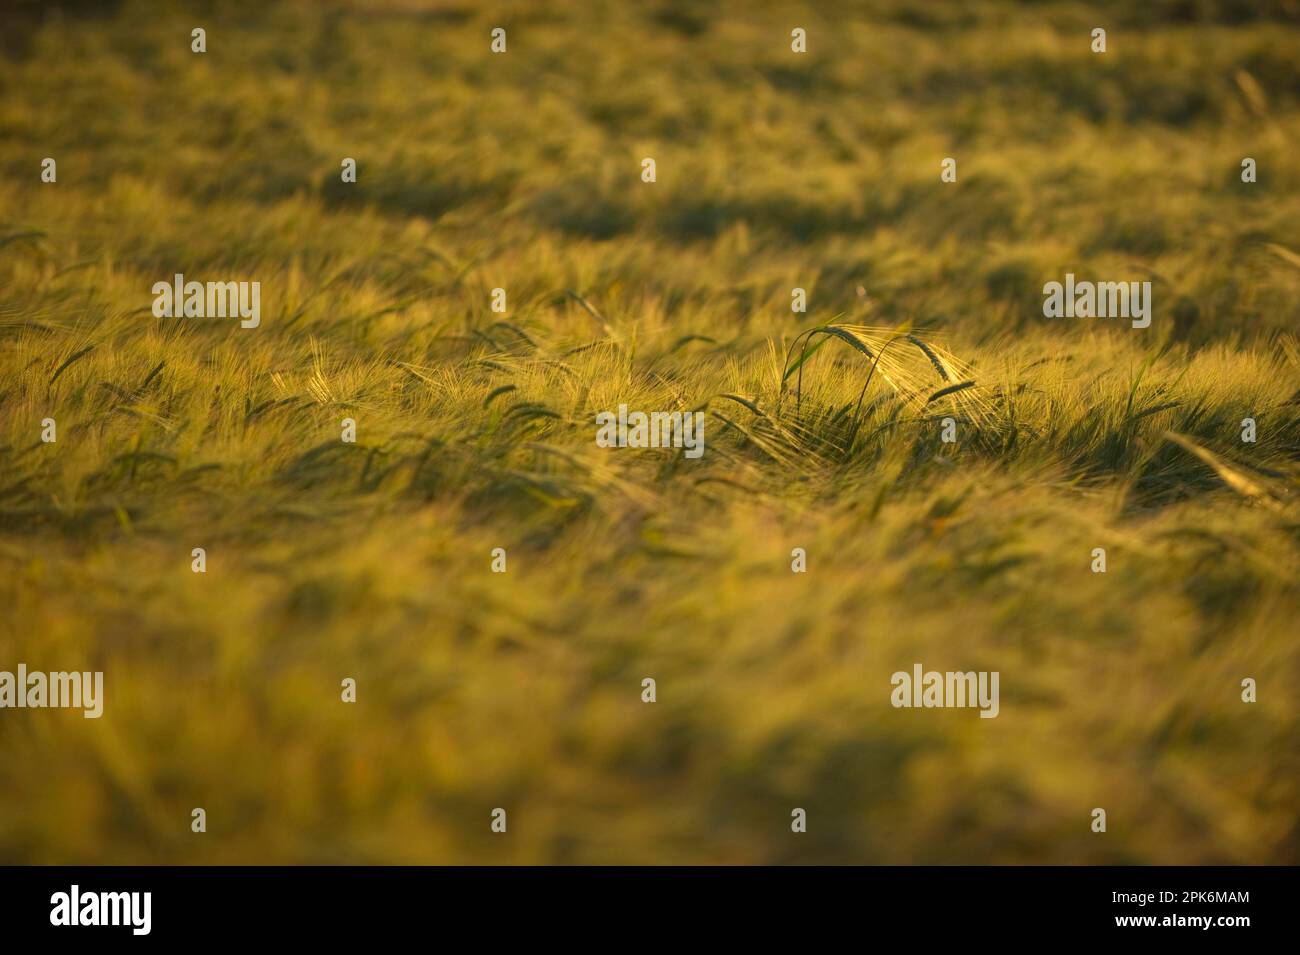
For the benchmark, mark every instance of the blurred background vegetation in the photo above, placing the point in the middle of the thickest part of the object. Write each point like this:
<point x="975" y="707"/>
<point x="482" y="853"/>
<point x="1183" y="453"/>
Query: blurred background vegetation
<point x="476" y="430"/>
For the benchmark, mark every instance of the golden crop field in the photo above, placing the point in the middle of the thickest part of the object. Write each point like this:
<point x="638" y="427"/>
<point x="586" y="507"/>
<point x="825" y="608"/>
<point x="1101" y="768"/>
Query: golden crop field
<point x="920" y="467"/>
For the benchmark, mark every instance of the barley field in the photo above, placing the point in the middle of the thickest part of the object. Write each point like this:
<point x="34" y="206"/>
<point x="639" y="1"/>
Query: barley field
<point x="372" y="560"/>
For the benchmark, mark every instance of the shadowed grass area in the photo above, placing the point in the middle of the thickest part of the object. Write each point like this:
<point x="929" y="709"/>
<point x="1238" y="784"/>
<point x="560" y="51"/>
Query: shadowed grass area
<point x="476" y="430"/>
